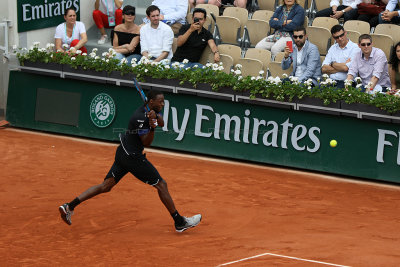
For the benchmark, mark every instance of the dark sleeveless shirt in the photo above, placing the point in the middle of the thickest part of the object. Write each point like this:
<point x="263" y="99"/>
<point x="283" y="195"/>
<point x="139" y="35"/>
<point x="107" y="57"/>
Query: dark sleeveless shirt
<point x="126" y="38"/>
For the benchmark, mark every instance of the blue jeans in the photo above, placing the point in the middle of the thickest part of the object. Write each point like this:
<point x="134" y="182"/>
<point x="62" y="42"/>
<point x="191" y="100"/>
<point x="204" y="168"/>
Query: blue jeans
<point x="120" y="56"/>
<point x="395" y="20"/>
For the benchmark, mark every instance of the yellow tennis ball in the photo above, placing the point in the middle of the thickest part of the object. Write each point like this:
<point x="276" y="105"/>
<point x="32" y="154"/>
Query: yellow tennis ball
<point x="333" y="143"/>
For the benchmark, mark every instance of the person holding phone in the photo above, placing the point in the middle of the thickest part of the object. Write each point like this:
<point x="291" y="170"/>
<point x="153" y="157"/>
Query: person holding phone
<point x="338" y="59"/>
<point x="305" y="58"/>
<point x="286" y="18"/>
<point x="107" y="14"/>
<point x="193" y="39"/>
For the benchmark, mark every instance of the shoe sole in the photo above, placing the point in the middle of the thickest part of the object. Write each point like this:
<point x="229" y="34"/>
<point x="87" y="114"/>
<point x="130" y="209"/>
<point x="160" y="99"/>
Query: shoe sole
<point x="63" y="214"/>
<point x="184" y="229"/>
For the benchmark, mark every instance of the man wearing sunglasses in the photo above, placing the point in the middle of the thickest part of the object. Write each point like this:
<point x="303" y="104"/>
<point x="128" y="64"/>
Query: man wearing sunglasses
<point x="193" y="39"/>
<point x="338" y="59"/>
<point x="305" y="58"/>
<point x="371" y="65"/>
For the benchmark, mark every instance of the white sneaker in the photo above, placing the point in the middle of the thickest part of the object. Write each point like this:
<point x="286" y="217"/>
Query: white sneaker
<point x="66" y="213"/>
<point x="102" y="39"/>
<point x="189" y="223"/>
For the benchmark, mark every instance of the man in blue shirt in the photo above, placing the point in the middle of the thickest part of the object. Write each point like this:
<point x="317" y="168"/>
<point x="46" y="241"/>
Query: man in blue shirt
<point x="338" y="59"/>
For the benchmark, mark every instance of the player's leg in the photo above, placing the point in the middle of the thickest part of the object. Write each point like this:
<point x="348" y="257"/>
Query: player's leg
<point x="146" y="172"/>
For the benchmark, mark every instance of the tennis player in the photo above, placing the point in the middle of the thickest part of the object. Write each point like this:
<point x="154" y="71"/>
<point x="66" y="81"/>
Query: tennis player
<point x="129" y="157"/>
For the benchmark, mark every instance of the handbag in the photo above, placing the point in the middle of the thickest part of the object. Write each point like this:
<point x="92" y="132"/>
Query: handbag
<point x="371" y="9"/>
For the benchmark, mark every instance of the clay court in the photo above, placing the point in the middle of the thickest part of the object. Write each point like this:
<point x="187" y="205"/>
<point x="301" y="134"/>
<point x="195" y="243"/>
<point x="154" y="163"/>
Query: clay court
<point x="252" y="215"/>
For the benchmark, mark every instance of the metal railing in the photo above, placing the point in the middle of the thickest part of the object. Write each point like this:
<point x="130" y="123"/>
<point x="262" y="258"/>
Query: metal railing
<point x="5" y="24"/>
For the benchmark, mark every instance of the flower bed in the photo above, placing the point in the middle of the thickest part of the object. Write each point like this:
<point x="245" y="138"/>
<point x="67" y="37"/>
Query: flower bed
<point x="213" y="76"/>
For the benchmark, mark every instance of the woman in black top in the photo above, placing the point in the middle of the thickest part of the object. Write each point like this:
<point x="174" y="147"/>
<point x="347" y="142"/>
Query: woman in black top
<point x="125" y="37"/>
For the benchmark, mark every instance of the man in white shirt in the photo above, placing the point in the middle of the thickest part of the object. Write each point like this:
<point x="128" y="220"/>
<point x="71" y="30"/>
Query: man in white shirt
<point x="173" y="12"/>
<point x="347" y="10"/>
<point x="156" y="37"/>
<point x="338" y="60"/>
<point x="390" y="15"/>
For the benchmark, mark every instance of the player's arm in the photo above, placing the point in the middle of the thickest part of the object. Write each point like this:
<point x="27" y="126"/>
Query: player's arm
<point x="155" y="120"/>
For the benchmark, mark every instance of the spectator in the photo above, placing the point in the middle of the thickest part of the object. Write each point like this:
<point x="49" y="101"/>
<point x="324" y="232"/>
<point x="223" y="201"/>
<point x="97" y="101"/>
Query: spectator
<point x="107" y="14"/>
<point x="305" y="58"/>
<point x="390" y="15"/>
<point x="347" y="10"/>
<point x="286" y="18"/>
<point x="125" y="39"/>
<point x="156" y="37"/>
<point x="173" y="13"/>
<point x="394" y="69"/>
<point x="71" y="33"/>
<point x="193" y="39"/>
<point x="237" y="3"/>
<point x="338" y="59"/>
<point x="369" y="10"/>
<point x="370" y="64"/>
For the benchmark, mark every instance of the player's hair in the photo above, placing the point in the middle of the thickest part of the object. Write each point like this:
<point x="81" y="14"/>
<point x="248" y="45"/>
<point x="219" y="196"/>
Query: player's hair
<point x="151" y="9"/>
<point x="200" y="10"/>
<point x="364" y="36"/>
<point x="153" y="94"/>
<point x="394" y="60"/>
<point x="67" y="10"/>
<point x="336" y="28"/>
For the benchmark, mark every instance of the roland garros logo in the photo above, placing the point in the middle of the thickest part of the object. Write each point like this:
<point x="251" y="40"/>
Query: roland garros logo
<point x="102" y="110"/>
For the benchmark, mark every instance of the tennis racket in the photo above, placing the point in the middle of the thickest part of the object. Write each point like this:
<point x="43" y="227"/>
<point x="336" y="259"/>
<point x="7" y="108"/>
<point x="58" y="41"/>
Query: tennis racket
<point x="141" y="93"/>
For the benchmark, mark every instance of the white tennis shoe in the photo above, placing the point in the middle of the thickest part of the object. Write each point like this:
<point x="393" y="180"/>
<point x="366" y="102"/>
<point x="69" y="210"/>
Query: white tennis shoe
<point x="189" y="223"/>
<point x="66" y="213"/>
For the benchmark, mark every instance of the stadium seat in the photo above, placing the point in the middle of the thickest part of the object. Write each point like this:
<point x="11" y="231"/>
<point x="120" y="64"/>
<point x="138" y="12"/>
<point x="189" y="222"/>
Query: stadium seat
<point x="263" y="15"/>
<point x="320" y="5"/>
<point x="353" y="36"/>
<point x="279" y="57"/>
<point x="389" y="29"/>
<point x="211" y="9"/>
<point x="357" y="26"/>
<point x="232" y="50"/>
<point x="250" y="67"/>
<point x="384" y="42"/>
<point x="260" y="54"/>
<point x="267" y="4"/>
<point x="255" y="31"/>
<point x="321" y="37"/>
<point x="275" y="69"/>
<point x="237" y="12"/>
<point x="228" y="30"/>
<point x="207" y="56"/>
<point x="325" y="22"/>
<point x="227" y="62"/>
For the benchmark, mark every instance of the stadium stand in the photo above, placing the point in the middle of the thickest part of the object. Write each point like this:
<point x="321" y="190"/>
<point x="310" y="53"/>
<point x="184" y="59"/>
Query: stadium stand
<point x="392" y="30"/>
<point x="250" y="66"/>
<point x="261" y="54"/>
<point x="228" y="30"/>
<point x="357" y="26"/>
<point x="321" y="37"/>
<point x="267" y="4"/>
<point x="384" y="42"/>
<point x="255" y="30"/>
<point x="232" y="50"/>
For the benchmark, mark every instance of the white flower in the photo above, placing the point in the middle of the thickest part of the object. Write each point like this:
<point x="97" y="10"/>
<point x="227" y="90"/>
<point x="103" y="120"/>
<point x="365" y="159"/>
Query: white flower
<point x="97" y="57"/>
<point x="261" y="72"/>
<point x="195" y="66"/>
<point x="181" y="66"/>
<point x="167" y="67"/>
<point x="146" y="70"/>
<point x="134" y="65"/>
<point x="104" y="54"/>
<point x="65" y="46"/>
<point x="358" y="79"/>
<point x="208" y="65"/>
<point x="221" y="68"/>
<point x="284" y="75"/>
<point x="92" y="55"/>
<point x="48" y="45"/>
<point x="36" y="44"/>
<point x="134" y="60"/>
<point x="73" y="58"/>
<point x="359" y="85"/>
<point x="79" y="52"/>
<point x="325" y="76"/>
<point x="124" y="61"/>
<point x="253" y="78"/>
<point x="175" y="64"/>
<point x="188" y="68"/>
<point x="94" y="50"/>
<point x="238" y="66"/>
<point x="238" y="72"/>
<point x="84" y="54"/>
<point x="107" y="60"/>
<point x="185" y="61"/>
<point x="42" y="49"/>
<point x="277" y="80"/>
<point x="14" y="47"/>
<point x="240" y="77"/>
<point x="221" y="63"/>
<point x="348" y="82"/>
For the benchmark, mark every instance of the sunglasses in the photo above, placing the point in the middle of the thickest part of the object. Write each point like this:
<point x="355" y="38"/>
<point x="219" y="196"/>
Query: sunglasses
<point x="365" y="44"/>
<point x="339" y="36"/>
<point x="129" y="13"/>
<point x="298" y="36"/>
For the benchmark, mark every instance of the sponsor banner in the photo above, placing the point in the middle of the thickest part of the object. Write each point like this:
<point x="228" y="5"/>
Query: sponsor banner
<point x="39" y="14"/>
<point x="290" y="138"/>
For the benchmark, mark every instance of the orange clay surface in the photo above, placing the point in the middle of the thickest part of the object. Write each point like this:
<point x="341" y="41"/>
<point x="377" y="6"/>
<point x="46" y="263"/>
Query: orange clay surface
<point x="247" y="211"/>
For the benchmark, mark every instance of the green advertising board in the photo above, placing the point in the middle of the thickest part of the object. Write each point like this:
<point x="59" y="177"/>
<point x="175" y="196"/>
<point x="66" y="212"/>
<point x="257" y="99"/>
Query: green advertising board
<point x="39" y="14"/>
<point x="365" y="148"/>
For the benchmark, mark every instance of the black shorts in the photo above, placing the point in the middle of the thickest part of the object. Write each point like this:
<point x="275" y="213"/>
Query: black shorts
<point x="138" y="165"/>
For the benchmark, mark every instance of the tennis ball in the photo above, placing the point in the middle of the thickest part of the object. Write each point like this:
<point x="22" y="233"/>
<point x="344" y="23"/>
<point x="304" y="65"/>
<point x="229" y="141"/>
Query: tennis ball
<point x="333" y="143"/>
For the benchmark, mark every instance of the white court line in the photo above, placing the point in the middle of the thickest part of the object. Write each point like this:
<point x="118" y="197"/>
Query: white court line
<point x="210" y="158"/>
<point x="282" y="256"/>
